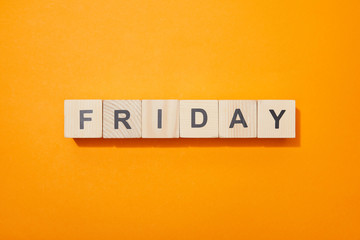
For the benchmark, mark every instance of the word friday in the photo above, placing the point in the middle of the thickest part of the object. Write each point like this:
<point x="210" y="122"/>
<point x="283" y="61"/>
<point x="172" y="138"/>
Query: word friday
<point x="179" y="118"/>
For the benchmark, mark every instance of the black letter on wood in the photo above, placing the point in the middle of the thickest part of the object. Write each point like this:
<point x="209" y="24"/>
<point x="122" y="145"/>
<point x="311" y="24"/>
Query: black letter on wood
<point x="242" y="119"/>
<point x="123" y="120"/>
<point x="277" y="118"/>
<point x="82" y="118"/>
<point x="203" y="112"/>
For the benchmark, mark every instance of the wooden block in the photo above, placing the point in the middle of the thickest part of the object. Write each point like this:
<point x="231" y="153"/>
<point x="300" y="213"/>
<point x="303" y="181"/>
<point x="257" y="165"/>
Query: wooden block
<point x="160" y="118"/>
<point x="199" y="118"/>
<point x="276" y="118"/>
<point x="83" y="118"/>
<point x="237" y="118"/>
<point x="122" y="119"/>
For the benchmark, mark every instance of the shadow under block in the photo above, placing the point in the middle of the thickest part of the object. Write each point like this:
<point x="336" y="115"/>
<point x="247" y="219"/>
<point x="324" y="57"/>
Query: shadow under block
<point x="122" y="119"/>
<point x="160" y="118"/>
<point x="83" y="118"/>
<point x="237" y="118"/>
<point x="199" y="118"/>
<point x="276" y="118"/>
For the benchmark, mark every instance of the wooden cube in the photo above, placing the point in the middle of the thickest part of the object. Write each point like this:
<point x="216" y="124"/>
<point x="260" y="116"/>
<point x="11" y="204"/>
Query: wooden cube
<point x="122" y="118"/>
<point x="160" y="118"/>
<point x="237" y="118"/>
<point x="276" y="118"/>
<point x="199" y="119"/>
<point x="83" y="118"/>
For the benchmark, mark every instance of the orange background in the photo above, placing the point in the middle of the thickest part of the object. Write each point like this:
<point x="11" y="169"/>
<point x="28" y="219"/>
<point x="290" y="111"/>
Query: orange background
<point x="57" y="188"/>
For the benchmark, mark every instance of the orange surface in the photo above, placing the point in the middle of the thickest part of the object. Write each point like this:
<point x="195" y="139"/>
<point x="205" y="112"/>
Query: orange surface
<point x="57" y="188"/>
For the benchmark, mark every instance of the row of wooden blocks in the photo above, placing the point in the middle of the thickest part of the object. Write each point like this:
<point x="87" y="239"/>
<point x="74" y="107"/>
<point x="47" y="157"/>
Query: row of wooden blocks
<point x="179" y="118"/>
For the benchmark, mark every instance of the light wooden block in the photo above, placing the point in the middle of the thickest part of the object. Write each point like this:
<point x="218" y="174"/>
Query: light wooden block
<point x="283" y="111"/>
<point x="237" y="118"/>
<point x="160" y="118"/>
<point x="192" y="118"/>
<point x="122" y="118"/>
<point x="83" y="118"/>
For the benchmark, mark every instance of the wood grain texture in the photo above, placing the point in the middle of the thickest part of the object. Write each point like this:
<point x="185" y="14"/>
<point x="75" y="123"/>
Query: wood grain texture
<point x="92" y="127"/>
<point x="229" y="108"/>
<point x="134" y="122"/>
<point x="169" y="119"/>
<point x="210" y="130"/>
<point x="266" y="121"/>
